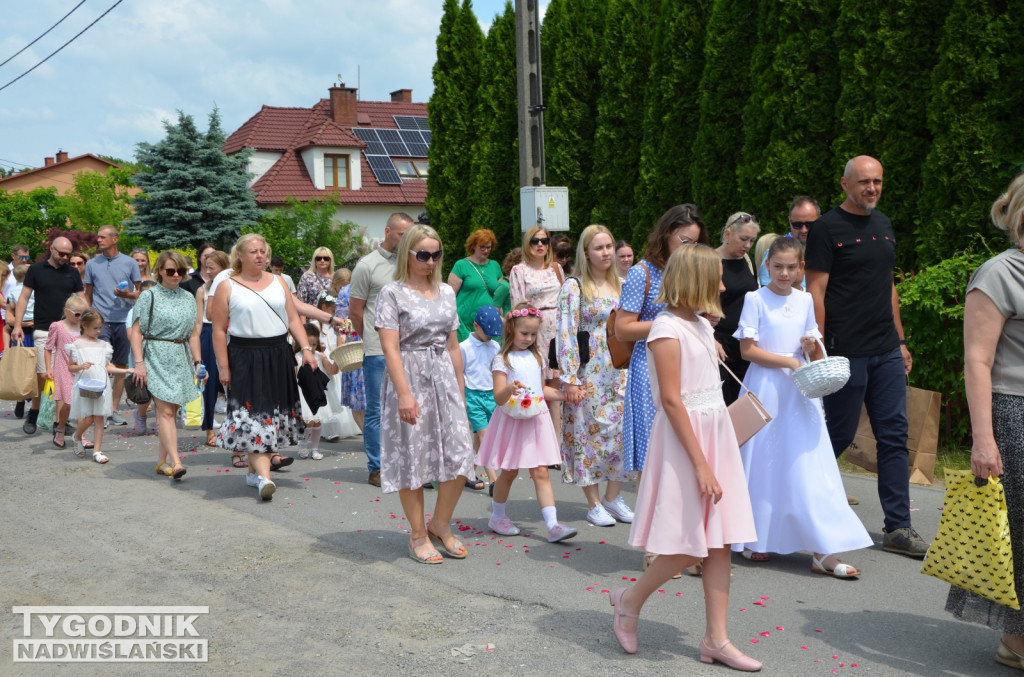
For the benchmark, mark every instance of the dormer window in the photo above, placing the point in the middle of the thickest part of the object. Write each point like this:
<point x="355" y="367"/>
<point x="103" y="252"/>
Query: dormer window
<point x="412" y="169"/>
<point x="336" y="171"/>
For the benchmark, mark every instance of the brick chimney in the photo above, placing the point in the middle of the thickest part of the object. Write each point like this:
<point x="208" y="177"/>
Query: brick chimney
<point x="48" y="162"/>
<point x="401" y="96"/>
<point x="343" y="106"/>
<point x="61" y="156"/>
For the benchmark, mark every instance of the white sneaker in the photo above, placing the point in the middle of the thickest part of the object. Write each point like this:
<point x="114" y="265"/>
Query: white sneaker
<point x="316" y="455"/>
<point x="619" y="510"/>
<point x="221" y="407"/>
<point x="252" y="479"/>
<point x="267" y="488"/>
<point x="599" y="517"/>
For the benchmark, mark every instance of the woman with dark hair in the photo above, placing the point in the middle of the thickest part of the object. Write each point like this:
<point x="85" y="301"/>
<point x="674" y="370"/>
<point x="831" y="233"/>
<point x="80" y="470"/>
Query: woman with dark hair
<point x="475" y="279"/>
<point x="77" y="261"/>
<point x="680" y="225"/>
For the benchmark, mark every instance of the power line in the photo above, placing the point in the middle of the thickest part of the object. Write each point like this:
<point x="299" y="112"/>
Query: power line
<point x="44" y="34"/>
<point x="54" y="52"/>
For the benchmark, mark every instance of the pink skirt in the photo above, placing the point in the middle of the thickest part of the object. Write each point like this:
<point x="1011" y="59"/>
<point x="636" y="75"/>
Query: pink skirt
<point x="512" y="444"/>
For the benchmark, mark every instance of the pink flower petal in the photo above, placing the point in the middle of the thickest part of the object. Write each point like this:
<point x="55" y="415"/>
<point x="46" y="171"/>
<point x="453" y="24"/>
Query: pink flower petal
<point x="819" y="631"/>
<point x="779" y="627"/>
<point x="765" y="634"/>
<point x="804" y="648"/>
<point x="754" y="640"/>
<point x="605" y="592"/>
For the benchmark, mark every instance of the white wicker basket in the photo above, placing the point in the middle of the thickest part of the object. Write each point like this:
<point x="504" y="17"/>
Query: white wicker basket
<point x="348" y="356"/>
<point x="823" y="377"/>
<point x="91" y="387"/>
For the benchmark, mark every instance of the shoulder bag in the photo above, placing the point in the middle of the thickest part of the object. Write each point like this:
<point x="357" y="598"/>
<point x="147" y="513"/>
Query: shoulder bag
<point x="134" y="391"/>
<point x="622" y="351"/>
<point x="582" y="337"/>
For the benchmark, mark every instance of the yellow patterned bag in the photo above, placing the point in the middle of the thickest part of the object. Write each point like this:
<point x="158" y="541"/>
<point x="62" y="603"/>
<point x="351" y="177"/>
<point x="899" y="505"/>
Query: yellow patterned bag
<point x="972" y="548"/>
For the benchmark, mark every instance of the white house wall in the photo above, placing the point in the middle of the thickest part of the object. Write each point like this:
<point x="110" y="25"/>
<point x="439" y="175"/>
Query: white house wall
<point x="313" y="158"/>
<point x="373" y="217"/>
<point x="260" y="163"/>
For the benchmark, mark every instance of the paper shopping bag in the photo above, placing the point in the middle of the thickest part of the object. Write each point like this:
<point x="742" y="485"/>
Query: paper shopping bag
<point x="18" y="374"/>
<point x="972" y="549"/>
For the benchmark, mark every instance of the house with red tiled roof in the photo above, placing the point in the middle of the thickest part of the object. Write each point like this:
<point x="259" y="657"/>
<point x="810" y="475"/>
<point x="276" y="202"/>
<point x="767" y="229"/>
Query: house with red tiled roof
<point x="372" y="154"/>
<point x="58" y="172"/>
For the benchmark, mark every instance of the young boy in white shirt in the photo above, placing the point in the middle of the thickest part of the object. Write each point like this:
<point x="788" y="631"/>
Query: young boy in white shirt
<point x="478" y="351"/>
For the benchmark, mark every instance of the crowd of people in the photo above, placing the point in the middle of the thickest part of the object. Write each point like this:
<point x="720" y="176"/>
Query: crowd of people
<point x="508" y="367"/>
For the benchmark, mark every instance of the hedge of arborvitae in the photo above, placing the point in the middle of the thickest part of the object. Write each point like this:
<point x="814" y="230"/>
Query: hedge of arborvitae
<point x="736" y="104"/>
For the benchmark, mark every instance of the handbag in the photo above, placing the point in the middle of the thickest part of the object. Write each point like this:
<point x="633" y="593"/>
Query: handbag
<point x="18" y="374"/>
<point x="622" y="351"/>
<point x="47" y="408"/>
<point x="139" y="393"/>
<point x="747" y="413"/>
<point x="582" y="337"/>
<point x="972" y="549"/>
<point x="526" y="405"/>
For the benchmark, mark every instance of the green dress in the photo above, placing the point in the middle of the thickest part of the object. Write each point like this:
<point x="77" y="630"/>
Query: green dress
<point x="169" y="372"/>
<point x="478" y="286"/>
<point x="502" y="298"/>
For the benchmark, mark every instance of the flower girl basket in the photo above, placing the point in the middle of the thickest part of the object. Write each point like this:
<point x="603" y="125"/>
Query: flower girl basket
<point x="823" y="377"/>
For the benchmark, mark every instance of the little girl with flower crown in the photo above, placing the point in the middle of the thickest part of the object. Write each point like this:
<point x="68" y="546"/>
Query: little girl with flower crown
<point x="521" y="434"/>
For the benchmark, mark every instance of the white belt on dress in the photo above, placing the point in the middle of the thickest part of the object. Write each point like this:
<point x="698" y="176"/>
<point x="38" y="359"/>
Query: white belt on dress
<point x="703" y="401"/>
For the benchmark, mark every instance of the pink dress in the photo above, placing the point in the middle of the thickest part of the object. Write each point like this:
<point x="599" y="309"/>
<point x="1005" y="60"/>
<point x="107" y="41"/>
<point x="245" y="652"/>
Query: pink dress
<point x="515" y="443"/>
<point x="63" y="380"/>
<point x="670" y="516"/>
<point x="540" y="289"/>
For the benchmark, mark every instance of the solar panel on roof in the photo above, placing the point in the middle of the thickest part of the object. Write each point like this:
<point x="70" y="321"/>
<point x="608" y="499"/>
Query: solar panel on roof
<point x="383" y="170"/>
<point x="414" y="142"/>
<point x="427" y="136"/>
<point x="411" y="122"/>
<point x="369" y="137"/>
<point x="393" y="142"/>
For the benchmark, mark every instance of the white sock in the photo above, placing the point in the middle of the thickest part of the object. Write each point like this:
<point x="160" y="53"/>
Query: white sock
<point x="314" y="438"/>
<point x="497" y="510"/>
<point x="550" y="516"/>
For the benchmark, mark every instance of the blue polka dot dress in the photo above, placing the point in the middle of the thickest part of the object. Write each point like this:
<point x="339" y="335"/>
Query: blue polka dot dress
<point x="638" y="414"/>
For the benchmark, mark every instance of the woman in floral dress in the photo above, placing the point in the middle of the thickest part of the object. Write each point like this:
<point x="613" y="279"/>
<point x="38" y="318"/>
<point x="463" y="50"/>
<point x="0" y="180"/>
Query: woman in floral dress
<point x="317" y="278"/>
<point x="537" y="281"/>
<point x="594" y="392"/>
<point x="424" y="434"/>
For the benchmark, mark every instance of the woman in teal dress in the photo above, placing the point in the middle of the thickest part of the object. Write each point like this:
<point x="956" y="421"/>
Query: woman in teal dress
<point x="475" y="279"/>
<point x="166" y="352"/>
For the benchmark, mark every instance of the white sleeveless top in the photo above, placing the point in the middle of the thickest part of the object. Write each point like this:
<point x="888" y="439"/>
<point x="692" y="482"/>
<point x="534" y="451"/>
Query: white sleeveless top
<point x="257" y="314"/>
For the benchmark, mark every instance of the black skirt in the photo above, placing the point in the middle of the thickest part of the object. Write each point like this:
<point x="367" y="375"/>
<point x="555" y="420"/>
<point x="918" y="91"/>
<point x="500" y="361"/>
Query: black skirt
<point x="263" y="413"/>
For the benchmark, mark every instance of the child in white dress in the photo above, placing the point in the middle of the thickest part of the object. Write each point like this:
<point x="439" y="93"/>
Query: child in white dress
<point x="795" y="488"/>
<point x="315" y="420"/>
<point x="90" y="360"/>
<point x="520" y="433"/>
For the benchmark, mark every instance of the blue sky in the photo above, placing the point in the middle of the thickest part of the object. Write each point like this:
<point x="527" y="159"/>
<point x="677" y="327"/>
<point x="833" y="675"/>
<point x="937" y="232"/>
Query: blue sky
<point x="112" y="86"/>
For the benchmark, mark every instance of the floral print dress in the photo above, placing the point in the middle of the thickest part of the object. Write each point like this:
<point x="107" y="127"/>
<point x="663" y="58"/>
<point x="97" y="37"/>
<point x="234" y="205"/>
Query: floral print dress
<point x="310" y="285"/>
<point x="592" y="429"/>
<point x="353" y="390"/>
<point x="540" y="289"/>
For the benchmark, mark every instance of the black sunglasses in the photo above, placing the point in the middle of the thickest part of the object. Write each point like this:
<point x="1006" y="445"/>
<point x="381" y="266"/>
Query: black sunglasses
<point x="800" y="225"/>
<point x="60" y="253"/>
<point x="321" y="258"/>
<point x="539" y="240"/>
<point x="170" y="272"/>
<point x="423" y="255"/>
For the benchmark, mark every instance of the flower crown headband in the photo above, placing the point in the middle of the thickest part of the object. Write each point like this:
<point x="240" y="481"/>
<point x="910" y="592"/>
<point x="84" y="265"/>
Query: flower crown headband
<point x="524" y="312"/>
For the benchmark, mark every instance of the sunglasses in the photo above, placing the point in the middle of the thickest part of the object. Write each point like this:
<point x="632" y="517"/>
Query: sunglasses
<point x="743" y="218"/>
<point x="801" y="225"/>
<point x="683" y="240"/>
<point x="74" y="314"/>
<point x="24" y="257"/>
<point x="78" y="264"/>
<point x="423" y="255"/>
<point x="321" y="258"/>
<point x="171" y="272"/>
<point x="534" y="241"/>
<point x="60" y="253"/>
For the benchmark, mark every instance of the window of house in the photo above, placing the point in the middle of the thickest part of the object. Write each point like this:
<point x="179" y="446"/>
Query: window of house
<point x="406" y="169"/>
<point x="336" y="171"/>
<point x="422" y="167"/>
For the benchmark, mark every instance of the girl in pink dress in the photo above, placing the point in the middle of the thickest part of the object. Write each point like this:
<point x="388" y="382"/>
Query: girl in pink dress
<point x="520" y="433"/>
<point x="694" y="504"/>
<point x="61" y="334"/>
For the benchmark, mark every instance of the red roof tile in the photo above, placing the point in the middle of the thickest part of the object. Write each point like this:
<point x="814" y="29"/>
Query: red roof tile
<point x="289" y="130"/>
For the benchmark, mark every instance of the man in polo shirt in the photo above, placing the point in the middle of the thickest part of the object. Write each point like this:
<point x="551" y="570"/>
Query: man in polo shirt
<point x="112" y="283"/>
<point x="52" y="281"/>
<point x="372" y="272"/>
<point x="851" y="252"/>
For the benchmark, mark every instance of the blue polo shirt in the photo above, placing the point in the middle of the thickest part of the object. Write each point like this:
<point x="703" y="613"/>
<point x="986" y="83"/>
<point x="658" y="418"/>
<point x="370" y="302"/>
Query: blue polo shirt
<point x="104" y="273"/>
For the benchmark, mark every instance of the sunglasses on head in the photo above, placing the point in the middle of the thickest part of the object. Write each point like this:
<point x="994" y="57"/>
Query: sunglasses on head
<point x="801" y="225"/>
<point x="423" y="255"/>
<point x="321" y="258"/>
<point x="539" y="240"/>
<point x="744" y="218"/>
<point x="171" y="272"/>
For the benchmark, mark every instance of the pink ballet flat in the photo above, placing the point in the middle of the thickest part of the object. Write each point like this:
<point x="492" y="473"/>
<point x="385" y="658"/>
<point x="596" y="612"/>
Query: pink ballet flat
<point x="742" y="662"/>
<point x="627" y="640"/>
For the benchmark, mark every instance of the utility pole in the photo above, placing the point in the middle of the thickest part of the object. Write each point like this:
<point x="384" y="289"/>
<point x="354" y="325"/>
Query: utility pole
<point x="530" y="95"/>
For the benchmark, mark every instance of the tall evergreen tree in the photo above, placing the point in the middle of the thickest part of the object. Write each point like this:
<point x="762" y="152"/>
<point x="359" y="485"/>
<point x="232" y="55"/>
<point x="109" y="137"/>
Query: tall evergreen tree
<point x="883" y="103"/>
<point x="570" y="58"/>
<point x="672" y="112"/>
<point x="789" y="119"/>
<point x="451" y="111"/>
<point x="724" y="89"/>
<point x="625" y="65"/>
<point x="495" y="154"/>
<point x="194" y="192"/>
<point x="976" y="122"/>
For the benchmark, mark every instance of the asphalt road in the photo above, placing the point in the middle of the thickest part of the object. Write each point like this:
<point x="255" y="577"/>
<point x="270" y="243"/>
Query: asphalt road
<point x="317" y="581"/>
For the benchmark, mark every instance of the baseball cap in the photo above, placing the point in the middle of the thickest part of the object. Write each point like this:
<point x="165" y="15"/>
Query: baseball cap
<point x="489" y="320"/>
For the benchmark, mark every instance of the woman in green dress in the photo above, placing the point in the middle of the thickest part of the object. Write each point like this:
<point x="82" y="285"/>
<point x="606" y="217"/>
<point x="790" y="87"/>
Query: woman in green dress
<point x="475" y="279"/>
<point x="503" y="295"/>
<point x="166" y="352"/>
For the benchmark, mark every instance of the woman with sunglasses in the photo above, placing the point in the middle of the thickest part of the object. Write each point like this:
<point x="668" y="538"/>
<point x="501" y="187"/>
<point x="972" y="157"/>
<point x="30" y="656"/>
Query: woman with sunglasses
<point x="318" y="277"/>
<point x="475" y="279"/>
<point x="424" y="434"/>
<point x="537" y="281"/>
<point x="77" y="261"/>
<point x="166" y="352"/>
<point x="739" y="277"/>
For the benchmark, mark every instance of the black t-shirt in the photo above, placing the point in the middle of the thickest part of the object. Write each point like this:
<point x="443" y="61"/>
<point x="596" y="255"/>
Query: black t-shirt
<point x="738" y="280"/>
<point x="858" y="252"/>
<point x="52" y="287"/>
<point x="193" y="283"/>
